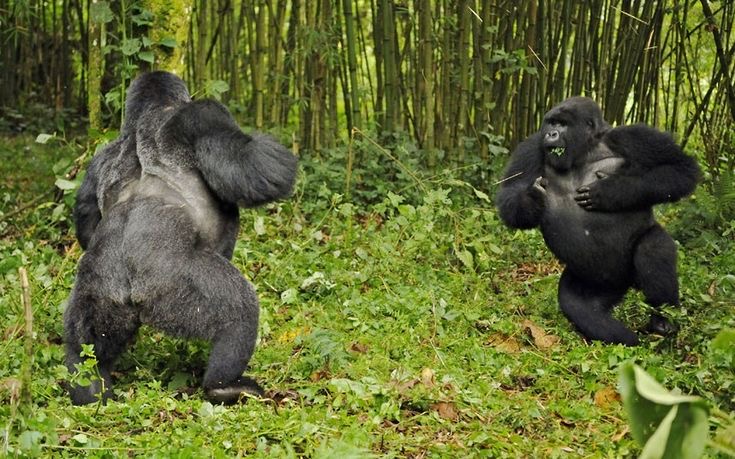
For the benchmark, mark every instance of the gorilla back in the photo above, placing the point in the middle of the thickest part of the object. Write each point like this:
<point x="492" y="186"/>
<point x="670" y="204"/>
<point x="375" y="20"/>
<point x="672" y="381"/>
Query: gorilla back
<point x="158" y="216"/>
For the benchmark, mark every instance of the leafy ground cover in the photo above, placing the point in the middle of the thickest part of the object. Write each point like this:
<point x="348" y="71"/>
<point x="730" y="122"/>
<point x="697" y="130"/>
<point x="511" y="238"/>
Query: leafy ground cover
<point x="399" y="319"/>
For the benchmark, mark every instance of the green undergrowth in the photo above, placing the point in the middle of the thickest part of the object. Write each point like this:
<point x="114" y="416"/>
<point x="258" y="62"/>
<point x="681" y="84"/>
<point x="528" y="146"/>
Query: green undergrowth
<point x="400" y="318"/>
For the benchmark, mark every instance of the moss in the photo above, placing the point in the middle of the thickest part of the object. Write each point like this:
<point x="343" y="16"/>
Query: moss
<point x="171" y="20"/>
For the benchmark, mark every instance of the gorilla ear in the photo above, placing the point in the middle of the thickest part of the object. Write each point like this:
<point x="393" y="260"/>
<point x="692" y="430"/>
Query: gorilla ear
<point x="244" y="170"/>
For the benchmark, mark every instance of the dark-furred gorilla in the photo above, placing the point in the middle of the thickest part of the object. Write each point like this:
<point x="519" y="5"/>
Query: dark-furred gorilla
<point x="591" y="189"/>
<point x="158" y="216"/>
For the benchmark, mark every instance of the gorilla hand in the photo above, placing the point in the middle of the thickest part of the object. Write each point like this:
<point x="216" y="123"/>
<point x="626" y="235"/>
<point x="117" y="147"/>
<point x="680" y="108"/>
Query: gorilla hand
<point x="537" y="193"/>
<point x="539" y="185"/>
<point x="589" y="196"/>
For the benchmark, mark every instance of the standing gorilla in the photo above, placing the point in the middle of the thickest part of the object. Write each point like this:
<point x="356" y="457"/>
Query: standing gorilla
<point x="158" y="216"/>
<point x="591" y="189"/>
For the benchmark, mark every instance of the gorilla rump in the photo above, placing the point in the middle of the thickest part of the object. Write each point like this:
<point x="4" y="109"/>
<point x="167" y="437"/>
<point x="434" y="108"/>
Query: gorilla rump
<point x="157" y="214"/>
<point x="591" y="189"/>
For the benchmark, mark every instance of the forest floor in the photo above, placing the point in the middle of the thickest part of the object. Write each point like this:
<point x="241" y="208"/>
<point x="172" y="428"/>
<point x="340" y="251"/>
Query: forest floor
<point x="399" y="320"/>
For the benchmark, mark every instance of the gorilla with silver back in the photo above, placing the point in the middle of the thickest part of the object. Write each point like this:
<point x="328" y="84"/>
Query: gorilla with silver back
<point x="157" y="214"/>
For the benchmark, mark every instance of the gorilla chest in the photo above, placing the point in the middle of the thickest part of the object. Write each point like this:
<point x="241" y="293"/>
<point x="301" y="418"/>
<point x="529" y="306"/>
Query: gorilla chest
<point x="562" y="185"/>
<point x="587" y="238"/>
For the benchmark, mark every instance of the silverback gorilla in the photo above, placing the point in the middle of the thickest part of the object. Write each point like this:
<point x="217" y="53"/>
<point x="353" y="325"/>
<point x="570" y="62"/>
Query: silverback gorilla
<point x="590" y="189"/>
<point x="157" y="214"/>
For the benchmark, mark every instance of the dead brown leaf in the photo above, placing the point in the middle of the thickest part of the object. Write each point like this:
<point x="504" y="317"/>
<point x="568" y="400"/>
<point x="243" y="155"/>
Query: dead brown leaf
<point x="527" y="271"/>
<point x="12" y="387"/>
<point x="360" y="348"/>
<point x="504" y="343"/>
<point x="283" y="397"/>
<point x="403" y="386"/>
<point x="319" y="375"/>
<point x="14" y="331"/>
<point x="427" y="377"/>
<point x="606" y="397"/>
<point x="541" y="339"/>
<point x="446" y="410"/>
<point x="619" y="436"/>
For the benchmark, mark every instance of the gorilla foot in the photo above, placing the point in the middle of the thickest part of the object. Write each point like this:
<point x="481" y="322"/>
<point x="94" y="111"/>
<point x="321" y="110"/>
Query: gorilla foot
<point x="93" y="393"/>
<point x="660" y="325"/>
<point x="240" y="390"/>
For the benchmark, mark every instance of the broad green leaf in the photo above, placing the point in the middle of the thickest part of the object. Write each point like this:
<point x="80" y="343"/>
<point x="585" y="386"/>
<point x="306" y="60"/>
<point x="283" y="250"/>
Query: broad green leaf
<point x="100" y="12"/>
<point x="64" y="184"/>
<point x="664" y="424"/>
<point x="206" y="410"/>
<point x="215" y="88"/>
<point x="259" y="226"/>
<point x="30" y="439"/>
<point x="495" y="249"/>
<point x="655" y="447"/>
<point x="58" y="212"/>
<point x="81" y="438"/>
<point x="651" y="390"/>
<point x="168" y="42"/>
<point x="43" y="138"/>
<point x="723" y="347"/>
<point x="643" y="415"/>
<point x="146" y="56"/>
<point x="311" y="280"/>
<point x="289" y="296"/>
<point x="481" y="195"/>
<point x="143" y="18"/>
<point x="179" y="380"/>
<point x="465" y="256"/>
<point x="130" y="46"/>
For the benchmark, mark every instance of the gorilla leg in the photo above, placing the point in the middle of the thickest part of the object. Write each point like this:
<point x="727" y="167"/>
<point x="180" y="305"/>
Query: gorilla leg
<point x="203" y="296"/>
<point x="589" y="307"/>
<point x="655" y="275"/>
<point x="91" y="319"/>
<point x="223" y="380"/>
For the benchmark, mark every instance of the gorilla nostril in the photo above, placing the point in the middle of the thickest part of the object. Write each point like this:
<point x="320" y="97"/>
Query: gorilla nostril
<point x="553" y="135"/>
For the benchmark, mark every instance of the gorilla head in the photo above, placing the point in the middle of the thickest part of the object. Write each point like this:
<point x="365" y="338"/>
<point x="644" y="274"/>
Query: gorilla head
<point x="153" y="91"/>
<point x="570" y="130"/>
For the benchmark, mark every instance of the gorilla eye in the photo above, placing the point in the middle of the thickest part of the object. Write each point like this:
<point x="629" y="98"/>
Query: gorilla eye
<point x="557" y="122"/>
<point x="590" y="123"/>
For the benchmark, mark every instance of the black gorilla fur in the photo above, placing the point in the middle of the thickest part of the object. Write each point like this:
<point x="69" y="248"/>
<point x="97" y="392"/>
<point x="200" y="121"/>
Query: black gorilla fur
<point x="158" y="216"/>
<point x="591" y="189"/>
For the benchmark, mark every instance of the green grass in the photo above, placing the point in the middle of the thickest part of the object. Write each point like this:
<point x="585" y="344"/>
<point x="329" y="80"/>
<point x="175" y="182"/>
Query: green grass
<point x="395" y="324"/>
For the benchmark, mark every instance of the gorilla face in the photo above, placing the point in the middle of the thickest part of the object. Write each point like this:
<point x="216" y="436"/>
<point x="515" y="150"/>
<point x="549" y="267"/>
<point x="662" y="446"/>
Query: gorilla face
<point x="569" y="131"/>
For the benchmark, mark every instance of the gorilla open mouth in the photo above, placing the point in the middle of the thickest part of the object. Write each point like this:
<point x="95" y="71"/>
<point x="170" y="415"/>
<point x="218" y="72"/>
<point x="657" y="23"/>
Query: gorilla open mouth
<point x="558" y="151"/>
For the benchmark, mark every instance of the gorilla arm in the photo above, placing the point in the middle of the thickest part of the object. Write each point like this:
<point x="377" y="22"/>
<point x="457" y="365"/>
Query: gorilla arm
<point x="521" y="199"/>
<point x="87" y="213"/>
<point x="656" y="171"/>
<point x="239" y="168"/>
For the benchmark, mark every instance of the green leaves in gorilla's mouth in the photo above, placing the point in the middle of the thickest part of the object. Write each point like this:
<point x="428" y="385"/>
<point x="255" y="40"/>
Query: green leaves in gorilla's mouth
<point x="558" y="151"/>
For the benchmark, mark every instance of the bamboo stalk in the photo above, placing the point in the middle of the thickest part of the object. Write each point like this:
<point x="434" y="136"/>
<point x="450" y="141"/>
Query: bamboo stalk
<point x="352" y="65"/>
<point x="27" y="369"/>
